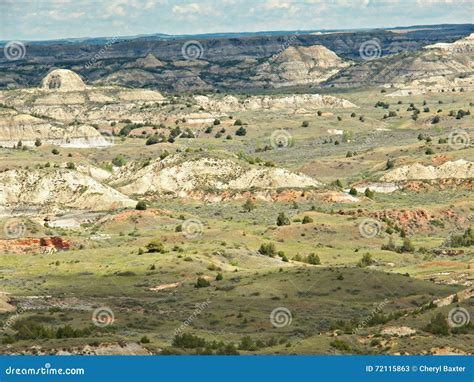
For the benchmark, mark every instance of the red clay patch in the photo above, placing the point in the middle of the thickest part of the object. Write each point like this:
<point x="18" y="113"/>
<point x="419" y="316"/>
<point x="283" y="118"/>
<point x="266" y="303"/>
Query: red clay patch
<point x="34" y="245"/>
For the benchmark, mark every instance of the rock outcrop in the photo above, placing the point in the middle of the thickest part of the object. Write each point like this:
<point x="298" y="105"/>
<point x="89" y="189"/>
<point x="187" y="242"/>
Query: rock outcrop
<point x="299" y="65"/>
<point x="176" y="176"/>
<point x="15" y="127"/>
<point x="63" y="80"/>
<point x="437" y="68"/>
<point x="291" y="102"/>
<point x="460" y="169"/>
<point x="56" y="190"/>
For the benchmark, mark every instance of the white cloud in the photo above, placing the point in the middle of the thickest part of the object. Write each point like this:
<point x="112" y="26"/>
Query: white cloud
<point x="277" y="4"/>
<point x="187" y="8"/>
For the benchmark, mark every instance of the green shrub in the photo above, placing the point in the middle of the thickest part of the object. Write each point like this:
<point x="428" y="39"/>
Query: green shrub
<point x="365" y="261"/>
<point x="118" y="161"/>
<point x="241" y="131"/>
<point x="267" y="249"/>
<point x="141" y="206"/>
<point x="340" y="345"/>
<point x="282" y="219"/>
<point x="464" y="240"/>
<point x="155" y="246"/>
<point x="438" y="325"/>
<point x="313" y="259"/>
<point x="202" y="283"/>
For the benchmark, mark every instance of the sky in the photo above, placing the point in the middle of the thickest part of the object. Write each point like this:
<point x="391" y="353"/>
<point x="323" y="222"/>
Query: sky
<point x="54" y="19"/>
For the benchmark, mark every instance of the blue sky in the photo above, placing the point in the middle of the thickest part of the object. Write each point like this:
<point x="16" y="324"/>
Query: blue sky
<point x="51" y="19"/>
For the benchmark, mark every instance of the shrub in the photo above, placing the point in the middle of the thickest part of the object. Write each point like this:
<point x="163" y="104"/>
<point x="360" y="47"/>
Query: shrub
<point x="305" y="124"/>
<point x="152" y="140"/>
<point x="118" y="161"/>
<point x="353" y="191"/>
<point x="202" y="283"/>
<point x="217" y="122"/>
<point x="155" y="246"/>
<point x="429" y="151"/>
<point x="390" y="164"/>
<point x="70" y="166"/>
<point x="464" y="240"/>
<point x="267" y="249"/>
<point x="282" y="219"/>
<point x="369" y="194"/>
<point x="55" y="151"/>
<point x="145" y="340"/>
<point x="313" y="259"/>
<point x="219" y="277"/>
<point x="365" y="261"/>
<point x="438" y="325"/>
<point x="188" y="341"/>
<point x="141" y="206"/>
<point x="241" y="131"/>
<point x="246" y="343"/>
<point x="38" y="142"/>
<point x="249" y="205"/>
<point x="238" y="122"/>
<point x="307" y="219"/>
<point x="407" y="246"/>
<point x="340" y="345"/>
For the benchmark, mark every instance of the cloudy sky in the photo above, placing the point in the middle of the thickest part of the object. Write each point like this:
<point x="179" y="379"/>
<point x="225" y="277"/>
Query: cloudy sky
<point x="51" y="19"/>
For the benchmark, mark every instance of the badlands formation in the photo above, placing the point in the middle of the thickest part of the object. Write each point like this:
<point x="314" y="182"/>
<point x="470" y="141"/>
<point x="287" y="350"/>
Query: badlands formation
<point x="460" y="169"/>
<point x="174" y="176"/>
<point x="151" y="202"/>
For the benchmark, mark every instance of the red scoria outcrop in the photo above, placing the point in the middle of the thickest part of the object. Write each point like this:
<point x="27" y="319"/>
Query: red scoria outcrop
<point x="34" y="245"/>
